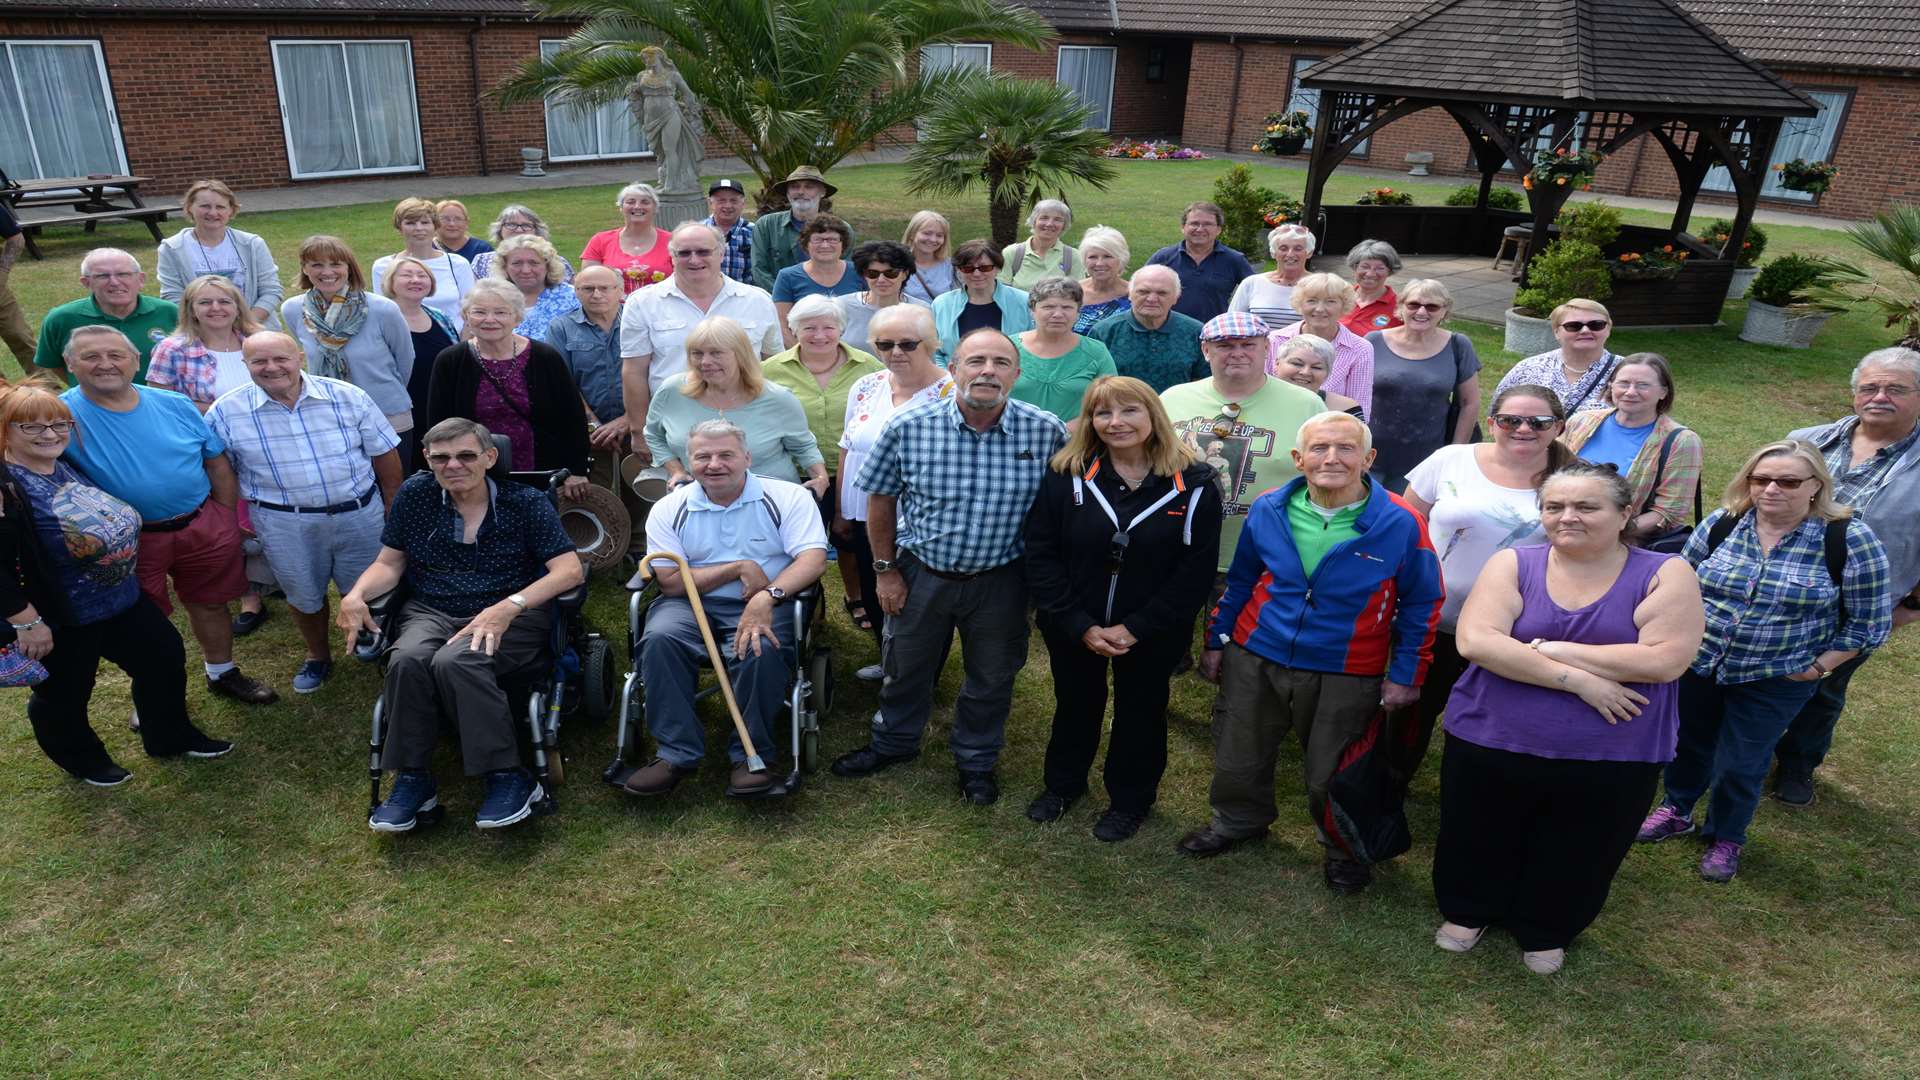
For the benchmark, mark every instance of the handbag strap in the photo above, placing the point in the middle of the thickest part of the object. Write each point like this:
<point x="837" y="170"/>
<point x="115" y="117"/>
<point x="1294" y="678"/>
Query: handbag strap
<point x="1574" y="406"/>
<point x="499" y="387"/>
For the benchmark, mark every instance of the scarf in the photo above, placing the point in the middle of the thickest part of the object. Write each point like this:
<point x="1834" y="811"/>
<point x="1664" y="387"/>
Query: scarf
<point x="333" y="321"/>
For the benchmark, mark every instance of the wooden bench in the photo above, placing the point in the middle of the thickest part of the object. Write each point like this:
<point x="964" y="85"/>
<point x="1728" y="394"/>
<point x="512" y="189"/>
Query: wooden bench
<point x="151" y="216"/>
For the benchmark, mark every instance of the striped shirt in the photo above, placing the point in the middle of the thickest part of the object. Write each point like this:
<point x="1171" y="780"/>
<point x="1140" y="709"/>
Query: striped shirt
<point x="964" y="494"/>
<point x="318" y="453"/>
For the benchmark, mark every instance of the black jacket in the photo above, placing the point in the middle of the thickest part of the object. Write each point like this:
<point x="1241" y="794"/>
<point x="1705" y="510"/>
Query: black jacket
<point x="559" y="419"/>
<point x="1168" y="566"/>
<point x="25" y="576"/>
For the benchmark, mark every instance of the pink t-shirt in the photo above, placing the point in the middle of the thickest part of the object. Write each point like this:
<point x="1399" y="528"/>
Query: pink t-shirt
<point x="636" y="271"/>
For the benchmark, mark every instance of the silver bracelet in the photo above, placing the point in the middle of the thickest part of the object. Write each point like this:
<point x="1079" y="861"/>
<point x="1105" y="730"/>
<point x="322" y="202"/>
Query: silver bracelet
<point x="21" y="628"/>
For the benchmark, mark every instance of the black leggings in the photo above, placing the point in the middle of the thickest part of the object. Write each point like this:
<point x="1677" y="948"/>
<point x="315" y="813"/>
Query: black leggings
<point x="142" y="643"/>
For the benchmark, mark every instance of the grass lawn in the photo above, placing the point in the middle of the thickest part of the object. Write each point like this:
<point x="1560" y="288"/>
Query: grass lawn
<point x="236" y="918"/>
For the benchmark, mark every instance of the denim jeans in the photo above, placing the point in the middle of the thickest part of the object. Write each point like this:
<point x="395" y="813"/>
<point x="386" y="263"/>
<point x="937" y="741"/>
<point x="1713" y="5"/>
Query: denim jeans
<point x="1810" y="736"/>
<point x="1727" y="734"/>
<point x="671" y="650"/>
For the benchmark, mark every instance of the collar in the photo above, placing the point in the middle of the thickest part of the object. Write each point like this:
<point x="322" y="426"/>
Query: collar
<point x="141" y="303"/>
<point x="1100" y="466"/>
<point x="751" y="493"/>
<point x="728" y="287"/>
<point x="310" y="387"/>
<point x="1844" y="430"/>
<point x="959" y="417"/>
<point x="493" y="496"/>
<point x="579" y="317"/>
<point x="1165" y="326"/>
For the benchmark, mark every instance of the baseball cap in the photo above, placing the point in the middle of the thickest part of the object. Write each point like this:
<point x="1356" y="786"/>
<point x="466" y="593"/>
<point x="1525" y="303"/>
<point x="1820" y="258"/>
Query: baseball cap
<point x="726" y="185"/>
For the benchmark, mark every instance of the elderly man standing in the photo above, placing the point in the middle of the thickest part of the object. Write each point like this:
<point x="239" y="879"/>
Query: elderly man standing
<point x="1209" y="270"/>
<point x="1874" y="456"/>
<point x="113" y="281"/>
<point x="726" y="201"/>
<point x="753" y="543"/>
<point x="656" y="320"/>
<point x="776" y="236"/>
<point x="13" y="321"/>
<point x="588" y="339"/>
<point x="949" y="484"/>
<point x="311" y="454"/>
<point x="1151" y="341"/>
<point x="1329" y="613"/>
<point x="482" y="562"/>
<point x="150" y="449"/>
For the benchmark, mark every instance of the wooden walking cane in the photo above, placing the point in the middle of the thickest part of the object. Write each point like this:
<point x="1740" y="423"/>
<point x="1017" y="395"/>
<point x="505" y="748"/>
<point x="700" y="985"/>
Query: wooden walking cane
<point x="754" y="762"/>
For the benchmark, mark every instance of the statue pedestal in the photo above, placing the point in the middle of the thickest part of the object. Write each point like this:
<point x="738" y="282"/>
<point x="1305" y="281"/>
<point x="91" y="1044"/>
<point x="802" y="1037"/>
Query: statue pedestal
<point x="677" y="208"/>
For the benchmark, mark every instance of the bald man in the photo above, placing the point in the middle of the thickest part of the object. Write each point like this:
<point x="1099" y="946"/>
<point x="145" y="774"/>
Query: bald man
<point x="588" y="339"/>
<point x="315" y="457"/>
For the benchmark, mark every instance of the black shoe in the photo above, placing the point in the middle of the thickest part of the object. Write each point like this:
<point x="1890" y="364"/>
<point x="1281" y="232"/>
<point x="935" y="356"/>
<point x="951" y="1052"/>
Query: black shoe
<point x="241" y="687"/>
<point x="1346" y="877"/>
<point x="1047" y="806"/>
<point x="109" y="775"/>
<point x="1206" y="843"/>
<point x="1794" y="789"/>
<point x="866" y="761"/>
<point x="248" y="621"/>
<point x="198" y="745"/>
<point x="979" y="788"/>
<point x="1117" y="825"/>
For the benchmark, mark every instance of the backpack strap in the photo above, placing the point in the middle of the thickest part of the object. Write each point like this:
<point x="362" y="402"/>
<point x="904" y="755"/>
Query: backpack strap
<point x="1019" y="256"/>
<point x="1719" y="533"/>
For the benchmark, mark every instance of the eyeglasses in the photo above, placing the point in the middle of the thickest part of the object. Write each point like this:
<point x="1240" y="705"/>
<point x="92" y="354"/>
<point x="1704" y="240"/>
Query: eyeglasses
<point x="464" y="457"/>
<point x="1509" y="422"/>
<point x="1784" y="483"/>
<point x="1421" y="305"/>
<point x="1869" y="391"/>
<point x="980" y="268"/>
<point x="891" y="273"/>
<point x="58" y="427"/>
<point x="1224" y="423"/>
<point x="693" y="253"/>
<point x="518" y="226"/>
<point x="884" y="346"/>
<point x="1574" y="327"/>
<point x="113" y="275"/>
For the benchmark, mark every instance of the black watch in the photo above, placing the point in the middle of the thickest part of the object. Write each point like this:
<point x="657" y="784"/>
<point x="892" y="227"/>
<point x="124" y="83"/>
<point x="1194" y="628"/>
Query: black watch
<point x="881" y="566"/>
<point x="776" y="592"/>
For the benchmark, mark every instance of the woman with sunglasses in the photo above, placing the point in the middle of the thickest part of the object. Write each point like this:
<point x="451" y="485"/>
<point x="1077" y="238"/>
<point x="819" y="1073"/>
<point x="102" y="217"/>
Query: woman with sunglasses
<point x="1638" y="435"/>
<point x="1581" y="367"/>
<point x="1121" y="543"/>
<point x="982" y="300"/>
<point x="1056" y="364"/>
<point x="1426" y="387"/>
<point x="1479" y="499"/>
<point x="515" y="220"/>
<point x="1780" y="617"/>
<point x="885" y="267"/>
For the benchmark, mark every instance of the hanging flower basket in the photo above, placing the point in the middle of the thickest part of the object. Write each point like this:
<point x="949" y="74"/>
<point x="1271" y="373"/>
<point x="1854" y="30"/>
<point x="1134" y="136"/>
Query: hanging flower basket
<point x="1812" y="177"/>
<point x="1286" y="209"/>
<point x="1659" y="264"/>
<point x="1284" y="133"/>
<point x="1561" y="167"/>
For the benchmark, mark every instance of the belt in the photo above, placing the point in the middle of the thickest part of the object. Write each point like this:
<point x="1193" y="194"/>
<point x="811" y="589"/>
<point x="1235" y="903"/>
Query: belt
<point x="172" y="524"/>
<point x="337" y="508"/>
<point x="951" y="576"/>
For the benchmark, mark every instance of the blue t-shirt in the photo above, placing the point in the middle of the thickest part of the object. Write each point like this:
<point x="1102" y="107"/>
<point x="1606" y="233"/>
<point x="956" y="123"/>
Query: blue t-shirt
<point x="792" y="283"/>
<point x="89" y="538"/>
<point x="151" y="456"/>
<point x="509" y="552"/>
<point x="1616" y="443"/>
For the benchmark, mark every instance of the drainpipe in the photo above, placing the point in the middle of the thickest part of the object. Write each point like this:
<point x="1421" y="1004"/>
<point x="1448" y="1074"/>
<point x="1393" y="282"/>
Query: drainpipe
<point x="479" y="110"/>
<point x="1233" y="96"/>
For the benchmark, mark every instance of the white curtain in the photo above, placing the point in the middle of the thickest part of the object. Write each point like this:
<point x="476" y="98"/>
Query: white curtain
<point x="573" y="132"/>
<point x="1808" y="138"/>
<point x="16" y="152"/>
<point x="1088" y="72"/>
<point x="319" y="109"/>
<point x="389" y="122"/>
<point x="66" y="106"/>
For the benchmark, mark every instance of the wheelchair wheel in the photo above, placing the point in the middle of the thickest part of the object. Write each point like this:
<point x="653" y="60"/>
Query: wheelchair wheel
<point x="556" y="770"/>
<point x="820" y="674"/>
<point x="597" y="679"/>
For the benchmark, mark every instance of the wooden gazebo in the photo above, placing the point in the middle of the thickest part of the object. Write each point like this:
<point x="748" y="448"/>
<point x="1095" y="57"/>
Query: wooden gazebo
<point x="1570" y="74"/>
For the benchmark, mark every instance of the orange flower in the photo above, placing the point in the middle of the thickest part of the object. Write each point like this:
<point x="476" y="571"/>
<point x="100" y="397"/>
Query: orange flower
<point x="1561" y="180"/>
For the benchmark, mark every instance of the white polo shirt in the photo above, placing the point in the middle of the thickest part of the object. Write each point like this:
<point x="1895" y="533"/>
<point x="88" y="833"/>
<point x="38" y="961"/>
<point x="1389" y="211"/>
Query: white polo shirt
<point x="656" y="320"/>
<point x="771" y="523"/>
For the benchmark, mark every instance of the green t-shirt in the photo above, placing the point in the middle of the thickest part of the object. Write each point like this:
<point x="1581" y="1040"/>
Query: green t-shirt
<point x="1256" y="456"/>
<point x="151" y="319"/>
<point x="1316" y="533"/>
<point x="1058" y="385"/>
<point x="1063" y="261"/>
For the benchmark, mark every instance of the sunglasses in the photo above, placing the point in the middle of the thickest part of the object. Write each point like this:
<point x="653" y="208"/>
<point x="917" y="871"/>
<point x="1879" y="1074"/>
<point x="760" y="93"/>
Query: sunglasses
<point x="1224" y="423"/>
<point x="58" y="427"/>
<point x="980" y="268"/>
<point x="464" y="457"/>
<point x="1574" y="327"/>
<point x="1784" y="483"/>
<point x="1509" y="422"/>
<point x="1421" y="305"/>
<point x="891" y="273"/>
<point x="693" y="253"/>
<point x="884" y="346"/>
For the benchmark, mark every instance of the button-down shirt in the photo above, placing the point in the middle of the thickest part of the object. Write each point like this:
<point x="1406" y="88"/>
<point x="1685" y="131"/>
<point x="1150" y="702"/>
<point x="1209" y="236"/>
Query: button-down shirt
<point x="826" y="406"/>
<point x="1206" y="287"/>
<point x="737" y="263"/>
<point x="317" y="453"/>
<point x="593" y="356"/>
<point x="656" y="320"/>
<point x="510" y="551"/>
<point x="1773" y="613"/>
<point x="1163" y="357"/>
<point x="1853" y="486"/>
<point x="770" y="523"/>
<point x="964" y="494"/>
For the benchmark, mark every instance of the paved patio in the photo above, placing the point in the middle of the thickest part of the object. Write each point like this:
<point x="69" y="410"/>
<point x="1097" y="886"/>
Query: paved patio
<point x="1480" y="293"/>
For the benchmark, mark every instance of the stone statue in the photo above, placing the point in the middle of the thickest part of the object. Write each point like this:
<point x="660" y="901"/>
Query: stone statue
<point x="670" y="118"/>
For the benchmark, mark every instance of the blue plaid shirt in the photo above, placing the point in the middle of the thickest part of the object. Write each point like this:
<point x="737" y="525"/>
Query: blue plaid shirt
<point x="318" y="453"/>
<point x="1771" y="614"/>
<point x="738" y="261"/>
<point x="963" y="494"/>
<point x="1849" y="483"/>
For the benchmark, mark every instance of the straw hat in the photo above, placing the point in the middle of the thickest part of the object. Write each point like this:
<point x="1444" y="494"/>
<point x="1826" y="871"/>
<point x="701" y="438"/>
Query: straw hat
<point x="598" y="523"/>
<point x="805" y="172"/>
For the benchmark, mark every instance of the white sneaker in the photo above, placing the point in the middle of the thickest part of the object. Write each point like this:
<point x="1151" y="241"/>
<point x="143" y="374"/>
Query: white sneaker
<point x="1544" y="962"/>
<point x="871" y="673"/>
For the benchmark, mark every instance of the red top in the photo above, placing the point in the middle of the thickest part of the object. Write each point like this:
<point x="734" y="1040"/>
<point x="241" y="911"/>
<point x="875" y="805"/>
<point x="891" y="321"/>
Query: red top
<point x="1378" y="315"/>
<point x="636" y="271"/>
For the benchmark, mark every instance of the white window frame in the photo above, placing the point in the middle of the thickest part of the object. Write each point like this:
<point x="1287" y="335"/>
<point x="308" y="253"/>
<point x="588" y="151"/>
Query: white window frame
<point x="286" y="126"/>
<point x="546" y="117"/>
<point x="1113" y="71"/>
<point x="950" y="45"/>
<point x="1718" y="181"/>
<point x="106" y="89"/>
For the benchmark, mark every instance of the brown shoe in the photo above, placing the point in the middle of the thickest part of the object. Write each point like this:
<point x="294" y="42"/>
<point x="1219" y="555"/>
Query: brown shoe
<point x="656" y="777"/>
<point x="1206" y="843"/>
<point x="745" y="781"/>
<point x="242" y="687"/>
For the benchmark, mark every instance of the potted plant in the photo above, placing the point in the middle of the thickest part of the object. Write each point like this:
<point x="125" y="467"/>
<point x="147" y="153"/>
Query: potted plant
<point x="1563" y="168"/>
<point x="1746" y="261"/>
<point x="1500" y="198"/>
<point x="1385" y="196"/>
<point x="1812" y="177"/>
<point x="1658" y="264"/>
<point x="1781" y="305"/>
<point x="1283" y="209"/>
<point x="1250" y="210"/>
<point x="1285" y="133"/>
<point x="1567" y="269"/>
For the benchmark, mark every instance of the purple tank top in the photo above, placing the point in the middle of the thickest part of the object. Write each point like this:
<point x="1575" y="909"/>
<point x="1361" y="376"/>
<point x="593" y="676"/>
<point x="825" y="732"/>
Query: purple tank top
<point x="1493" y="711"/>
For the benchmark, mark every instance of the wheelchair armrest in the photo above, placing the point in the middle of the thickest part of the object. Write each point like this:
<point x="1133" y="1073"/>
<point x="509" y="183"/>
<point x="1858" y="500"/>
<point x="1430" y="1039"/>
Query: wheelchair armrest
<point x="572" y="599"/>
<point x="367" y="644"/>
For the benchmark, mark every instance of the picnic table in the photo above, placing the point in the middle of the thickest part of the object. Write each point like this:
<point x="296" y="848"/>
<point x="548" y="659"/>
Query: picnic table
<point x="80" y="200"/>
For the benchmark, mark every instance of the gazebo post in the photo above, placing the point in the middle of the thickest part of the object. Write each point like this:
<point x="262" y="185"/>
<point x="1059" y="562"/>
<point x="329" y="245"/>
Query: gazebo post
<point x="1320" y="163"/>
<point x="1747" y="182"/>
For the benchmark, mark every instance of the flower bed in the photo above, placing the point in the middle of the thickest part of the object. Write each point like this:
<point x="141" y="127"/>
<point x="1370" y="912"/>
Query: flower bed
<point x="1656" y="265"/>
<point x="1152" y="151"/>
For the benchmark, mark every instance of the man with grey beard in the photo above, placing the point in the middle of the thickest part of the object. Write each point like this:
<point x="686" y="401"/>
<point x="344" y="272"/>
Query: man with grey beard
<point x="950" y="482"/>
<point x="776" y="236"/>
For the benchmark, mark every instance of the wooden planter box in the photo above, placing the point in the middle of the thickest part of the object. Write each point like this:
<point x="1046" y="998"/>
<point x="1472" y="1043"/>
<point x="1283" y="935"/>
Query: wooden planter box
<point x="1693" y="298"/>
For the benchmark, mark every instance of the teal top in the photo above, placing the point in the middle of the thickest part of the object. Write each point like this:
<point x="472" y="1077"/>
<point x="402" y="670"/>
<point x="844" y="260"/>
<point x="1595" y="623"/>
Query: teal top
<point x="1315" y="531"/>
<point x="778" y="439"/>
<point x="1058" y="384"/>
<point x="1015" y="318"/>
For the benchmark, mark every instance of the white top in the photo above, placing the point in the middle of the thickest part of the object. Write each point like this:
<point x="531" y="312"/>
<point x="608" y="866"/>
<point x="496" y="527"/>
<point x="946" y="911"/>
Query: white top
<point x="452" y="279"/>
<point x="1260" y="296"/>
<point x="869" y="407"/>
<point x="771" y="522"/>
<point x="231" y="374"/>
<point x="222" y="260"/>
<point x="656" y="320"/>
<point x="1472" y="518"/>
<point x="858" y="315"/>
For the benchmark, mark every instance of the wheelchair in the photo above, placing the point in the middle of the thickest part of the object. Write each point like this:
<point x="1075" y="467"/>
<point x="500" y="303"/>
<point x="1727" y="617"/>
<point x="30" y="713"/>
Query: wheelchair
<point x="809" y="693"/>
<point x="577" y="676"/>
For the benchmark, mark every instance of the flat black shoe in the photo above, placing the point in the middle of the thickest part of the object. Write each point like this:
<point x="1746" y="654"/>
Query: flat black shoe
<point x="1117" y="825"/>
<point x="108" y="776"/>
<point x="1346" y="877"/>
<point x="1047" y="807"/>
<point x="1793" y="789"/>
<point x="243" y="688"/>
<point x="866" y="761"/>
<point x="979" y="788"/>
<point x="248" y="621"/>
<point x="1206" y="843"/>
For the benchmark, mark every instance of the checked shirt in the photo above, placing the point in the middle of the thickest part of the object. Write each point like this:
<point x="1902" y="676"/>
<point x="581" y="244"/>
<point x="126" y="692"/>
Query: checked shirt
<point x="318" y="453"/>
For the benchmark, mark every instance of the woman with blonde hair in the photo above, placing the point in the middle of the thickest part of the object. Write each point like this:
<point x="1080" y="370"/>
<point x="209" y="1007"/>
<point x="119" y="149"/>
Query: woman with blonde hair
<point x="531" y="265"/>
<point x="1426" y="384"/>
<point x="213" y="246"/>
<point x="1794" y="586"/>
<point x="1121" y="545"/>
<point x="1323" y="300"/>
<point x="202" y="358"/>
<point x="929" y="236"/>
<point x="724" y="380"/>
<point x="418" y="223"/>
<point x="1581" y="367"/>
<point x="1103" y="291"/>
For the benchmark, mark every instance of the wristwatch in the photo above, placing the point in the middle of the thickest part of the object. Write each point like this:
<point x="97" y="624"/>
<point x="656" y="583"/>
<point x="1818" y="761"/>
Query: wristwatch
<point x="517" y="600"/>
<point x="776" y="592"/>
<point x="881" y="566"/>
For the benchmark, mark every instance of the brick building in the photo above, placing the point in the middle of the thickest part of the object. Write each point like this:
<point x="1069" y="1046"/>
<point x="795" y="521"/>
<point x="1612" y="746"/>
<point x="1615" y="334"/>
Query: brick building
<point x="250" y="90"/>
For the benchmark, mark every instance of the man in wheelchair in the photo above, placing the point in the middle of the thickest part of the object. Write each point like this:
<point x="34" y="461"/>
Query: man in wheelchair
<point x="481" y="561"/>
<point x="753" y="543"/>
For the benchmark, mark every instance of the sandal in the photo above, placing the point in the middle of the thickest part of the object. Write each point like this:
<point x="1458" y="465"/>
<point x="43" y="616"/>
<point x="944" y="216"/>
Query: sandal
<point x="857" y="611"/>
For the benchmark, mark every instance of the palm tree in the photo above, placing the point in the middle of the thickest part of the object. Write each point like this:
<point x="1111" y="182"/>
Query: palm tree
<point x="782" y="82"/>
<point x="1018" y="137"/>
<point x="1893" y="237"/>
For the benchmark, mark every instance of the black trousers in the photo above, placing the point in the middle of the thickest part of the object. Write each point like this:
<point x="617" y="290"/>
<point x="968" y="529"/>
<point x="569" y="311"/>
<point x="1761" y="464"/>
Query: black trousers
<point x="862" y="549"/>
<point x="142" y="643"/>
<point x="1137" y="751"/>
<point x="1532" y="843"/>
<point x="431" y="674"/>
<point x="1410" y="730"/>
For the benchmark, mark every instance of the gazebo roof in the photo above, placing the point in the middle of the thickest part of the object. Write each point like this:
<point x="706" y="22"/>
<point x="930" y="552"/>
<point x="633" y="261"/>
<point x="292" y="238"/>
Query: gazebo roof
<point x="1644" y="55"/>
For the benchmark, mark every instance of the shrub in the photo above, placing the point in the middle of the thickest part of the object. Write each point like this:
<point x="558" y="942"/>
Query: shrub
<point x="1245" y="204"/>
<point x="1594" y="222"/>
<point x="1716" y="232"/>
<point x="1500" y="198"/>
<point x="1568" y="269"/>
<point x="1790" y="280"/>
<point x="1385" y="196"/>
